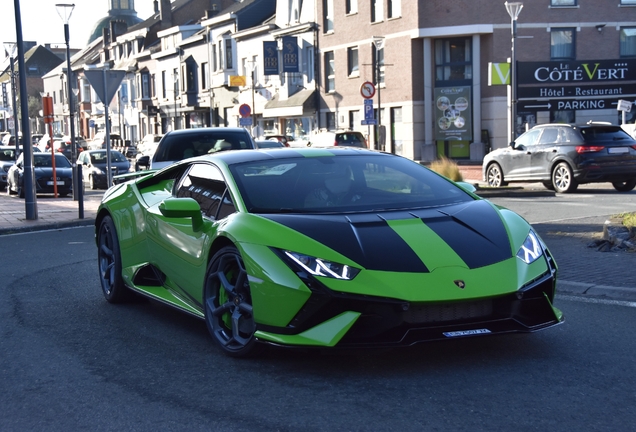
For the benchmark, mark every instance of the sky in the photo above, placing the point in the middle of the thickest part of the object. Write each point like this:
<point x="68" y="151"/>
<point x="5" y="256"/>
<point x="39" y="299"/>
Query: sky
<point x="41" y="23"/>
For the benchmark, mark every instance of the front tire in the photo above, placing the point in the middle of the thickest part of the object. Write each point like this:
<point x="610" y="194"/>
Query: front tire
<point x="562" y="178"/>
<point x="109" y="261"/>
<point x="228" y="304"/>
<point x="625" y="186"/>
<point x="91" y="182"/>
<point x="494" y="176"/>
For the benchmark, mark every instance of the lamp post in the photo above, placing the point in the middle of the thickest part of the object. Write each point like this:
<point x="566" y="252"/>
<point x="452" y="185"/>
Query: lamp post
<point x="10" y="49"/>
<point x="175" y="89"/>
<point x="64" y="10"/>
<point x="378" y="42"/>
<point x="514" y="9"/>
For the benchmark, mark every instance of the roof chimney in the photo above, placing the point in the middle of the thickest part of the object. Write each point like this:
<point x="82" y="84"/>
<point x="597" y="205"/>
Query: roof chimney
<point x="165" y="14"/>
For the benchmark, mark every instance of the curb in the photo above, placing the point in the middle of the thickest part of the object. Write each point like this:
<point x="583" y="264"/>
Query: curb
<point x="512" y="192"/>
<point x="48" y="226"/>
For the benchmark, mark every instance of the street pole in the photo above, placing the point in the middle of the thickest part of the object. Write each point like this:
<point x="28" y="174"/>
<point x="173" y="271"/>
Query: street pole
<point x="65" y="11"/>
<point x="378" y="42"/>
<point x="30" y="197"/>
<point x="514" y="9"/>
<point x="10" y="48"/>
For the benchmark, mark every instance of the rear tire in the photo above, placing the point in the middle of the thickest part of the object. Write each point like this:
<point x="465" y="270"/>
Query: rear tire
<point x="562" y="178"/>
<point x="625" y="186"/>
<point x="494" y="176"/>
<point x="109" y="262"/>
<point x="548" y="185"/>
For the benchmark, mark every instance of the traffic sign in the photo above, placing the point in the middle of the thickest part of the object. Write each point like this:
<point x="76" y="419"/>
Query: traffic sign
<point x="624" y="105"/>
<point x="368" y="109"/>
<point x="245" y="110"/>
<point x="245" y="121"/>
<point x="370" y="122"/>
<point x="367" y="90"/>
<point x="105" y="82"/>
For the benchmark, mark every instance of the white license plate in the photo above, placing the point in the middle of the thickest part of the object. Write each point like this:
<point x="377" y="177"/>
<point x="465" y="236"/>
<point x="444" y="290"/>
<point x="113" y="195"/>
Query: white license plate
<point x="60" y="183"/>
<point x="466" y="332"/>
<point x="618" y="150"/>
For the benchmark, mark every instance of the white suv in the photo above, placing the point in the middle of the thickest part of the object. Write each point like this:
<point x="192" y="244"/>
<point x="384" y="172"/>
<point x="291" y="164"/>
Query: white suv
<point x="338" y="138"/>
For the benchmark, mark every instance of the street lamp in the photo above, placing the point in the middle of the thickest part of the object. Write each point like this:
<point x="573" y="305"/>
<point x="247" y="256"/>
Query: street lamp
<point x="10" y="48"/>
<point x="514" y="9"/>
<point x="64" y="10"/>
<point x="378" y="42"/>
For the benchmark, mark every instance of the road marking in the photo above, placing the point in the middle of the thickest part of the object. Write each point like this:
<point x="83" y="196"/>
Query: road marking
<point x="597" y="301"/>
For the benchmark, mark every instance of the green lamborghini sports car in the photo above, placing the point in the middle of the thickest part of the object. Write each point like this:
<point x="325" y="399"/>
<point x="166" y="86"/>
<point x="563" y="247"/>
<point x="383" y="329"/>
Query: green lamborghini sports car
<point x="332" y="247"/>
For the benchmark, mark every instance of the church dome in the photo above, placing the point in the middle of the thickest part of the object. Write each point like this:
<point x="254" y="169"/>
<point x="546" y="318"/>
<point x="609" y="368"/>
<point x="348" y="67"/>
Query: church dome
<point x="119" y="10"/>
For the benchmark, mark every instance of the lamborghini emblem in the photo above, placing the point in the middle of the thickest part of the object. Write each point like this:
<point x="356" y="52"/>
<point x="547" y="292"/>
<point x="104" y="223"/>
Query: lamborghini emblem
<point x="460" y="283"/>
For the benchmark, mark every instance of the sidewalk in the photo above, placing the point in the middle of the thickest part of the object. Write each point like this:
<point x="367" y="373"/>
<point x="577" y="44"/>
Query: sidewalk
<point x="52" y="213"/>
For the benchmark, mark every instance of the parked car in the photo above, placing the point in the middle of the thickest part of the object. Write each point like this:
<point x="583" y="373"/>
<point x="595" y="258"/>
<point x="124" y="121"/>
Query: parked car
<point x="563" y="156"/>
<point x="362" y="249"/>
<point x="9" y="140"/>
<point x="285" y="139"/>
<point x="271" y="143"/>
<point x="43" y="170"/>
<point x="148" y="144"/>
<point x="64" y="146"/>
<point x="337" y="138"/>
<point x="45" y="142"/>
<point x="94" y="166"/>
<point x="7" y="159"/>
<point x="186" y="143"/>
<point x="35" y="138"/>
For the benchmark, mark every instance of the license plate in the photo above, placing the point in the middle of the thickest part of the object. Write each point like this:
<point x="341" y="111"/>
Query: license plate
<point x="618" y="150"/>
<point x="466" y="333"/>
<point x="60" y="183"/>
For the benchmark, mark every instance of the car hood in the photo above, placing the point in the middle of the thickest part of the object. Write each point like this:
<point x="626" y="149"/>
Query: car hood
<point x="469" y="234"/>
<point x="48" y="171"/>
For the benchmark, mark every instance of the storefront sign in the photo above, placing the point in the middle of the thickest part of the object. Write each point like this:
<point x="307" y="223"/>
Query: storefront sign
<point x="290" y="54"/>
<point x="566" y="104"/>
<point x="572" y="72"/>
<point x="570" y="91"/>
<point x="270" y="57"/>
<point x="453" y="114"/>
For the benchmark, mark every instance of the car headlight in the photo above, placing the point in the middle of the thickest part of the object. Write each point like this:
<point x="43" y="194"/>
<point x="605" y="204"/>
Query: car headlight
<point x="531" y="249"/>
<point x="320" y="267"/>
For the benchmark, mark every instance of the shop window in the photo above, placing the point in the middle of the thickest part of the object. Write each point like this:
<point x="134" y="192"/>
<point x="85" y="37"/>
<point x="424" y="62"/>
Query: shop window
<point x="453" y="61"/>
<point x="562" y="44"/>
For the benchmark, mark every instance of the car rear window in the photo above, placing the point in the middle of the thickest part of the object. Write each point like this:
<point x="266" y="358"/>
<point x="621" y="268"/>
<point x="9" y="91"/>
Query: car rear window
<point x="176" y="147"/>
<point x="604" y="133"/>
<point x="350" y="139"/>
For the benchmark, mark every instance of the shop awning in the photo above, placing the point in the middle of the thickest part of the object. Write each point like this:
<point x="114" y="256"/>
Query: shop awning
<point x="295" y="105"/>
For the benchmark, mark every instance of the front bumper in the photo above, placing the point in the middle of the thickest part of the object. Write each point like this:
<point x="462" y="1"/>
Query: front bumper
<point x="355" y="321"/>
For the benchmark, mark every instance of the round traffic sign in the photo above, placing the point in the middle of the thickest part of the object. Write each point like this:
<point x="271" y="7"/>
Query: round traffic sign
<point x="367" y="90"/>
<point x="245" y="110"/>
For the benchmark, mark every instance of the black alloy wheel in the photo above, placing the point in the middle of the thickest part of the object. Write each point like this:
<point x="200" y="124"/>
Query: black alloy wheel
<point x="494" y="176"/>
<point x="562" y="178"/>
<point x="109" y="261"/>
<point x="625" y="186"/>
<point x="228" y="304"/>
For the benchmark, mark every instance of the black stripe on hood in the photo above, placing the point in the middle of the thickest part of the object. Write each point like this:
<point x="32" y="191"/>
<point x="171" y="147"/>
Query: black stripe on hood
<point x="364" y="238"/>
<point x="473" y="230"/>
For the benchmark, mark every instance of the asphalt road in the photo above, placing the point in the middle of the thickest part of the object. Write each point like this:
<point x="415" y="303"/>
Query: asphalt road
<point x="71" y="361"/>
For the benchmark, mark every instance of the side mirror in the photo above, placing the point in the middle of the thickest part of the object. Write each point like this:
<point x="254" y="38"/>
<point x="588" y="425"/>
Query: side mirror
<point x="144" y="161"/>
<point x="183" y="208"/>
<point x="466" y="186"/>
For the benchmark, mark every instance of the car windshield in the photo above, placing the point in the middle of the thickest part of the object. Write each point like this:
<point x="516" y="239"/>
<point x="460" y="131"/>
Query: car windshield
<point x="356" y="183"/>
<point x="100" y="157"/>
<point x="604" y="133"/>
<point x="43" y="160"/>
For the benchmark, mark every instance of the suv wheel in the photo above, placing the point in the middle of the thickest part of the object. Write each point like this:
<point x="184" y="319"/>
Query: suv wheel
<point x="625" y="186"/>
<point x="494" y="176"/>
<point x="562" y="178"/>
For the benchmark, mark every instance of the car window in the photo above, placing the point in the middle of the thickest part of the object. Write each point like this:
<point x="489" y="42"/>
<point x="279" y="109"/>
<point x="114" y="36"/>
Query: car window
<point x="550" y="135"/>
<point x="528" y="138"/>
<point x="7" y="155"/>
<point x="204" y="183"/>
<point x="604" y="133"/>
<point x="176" y="147"/>
<point x="354" y="139"/>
